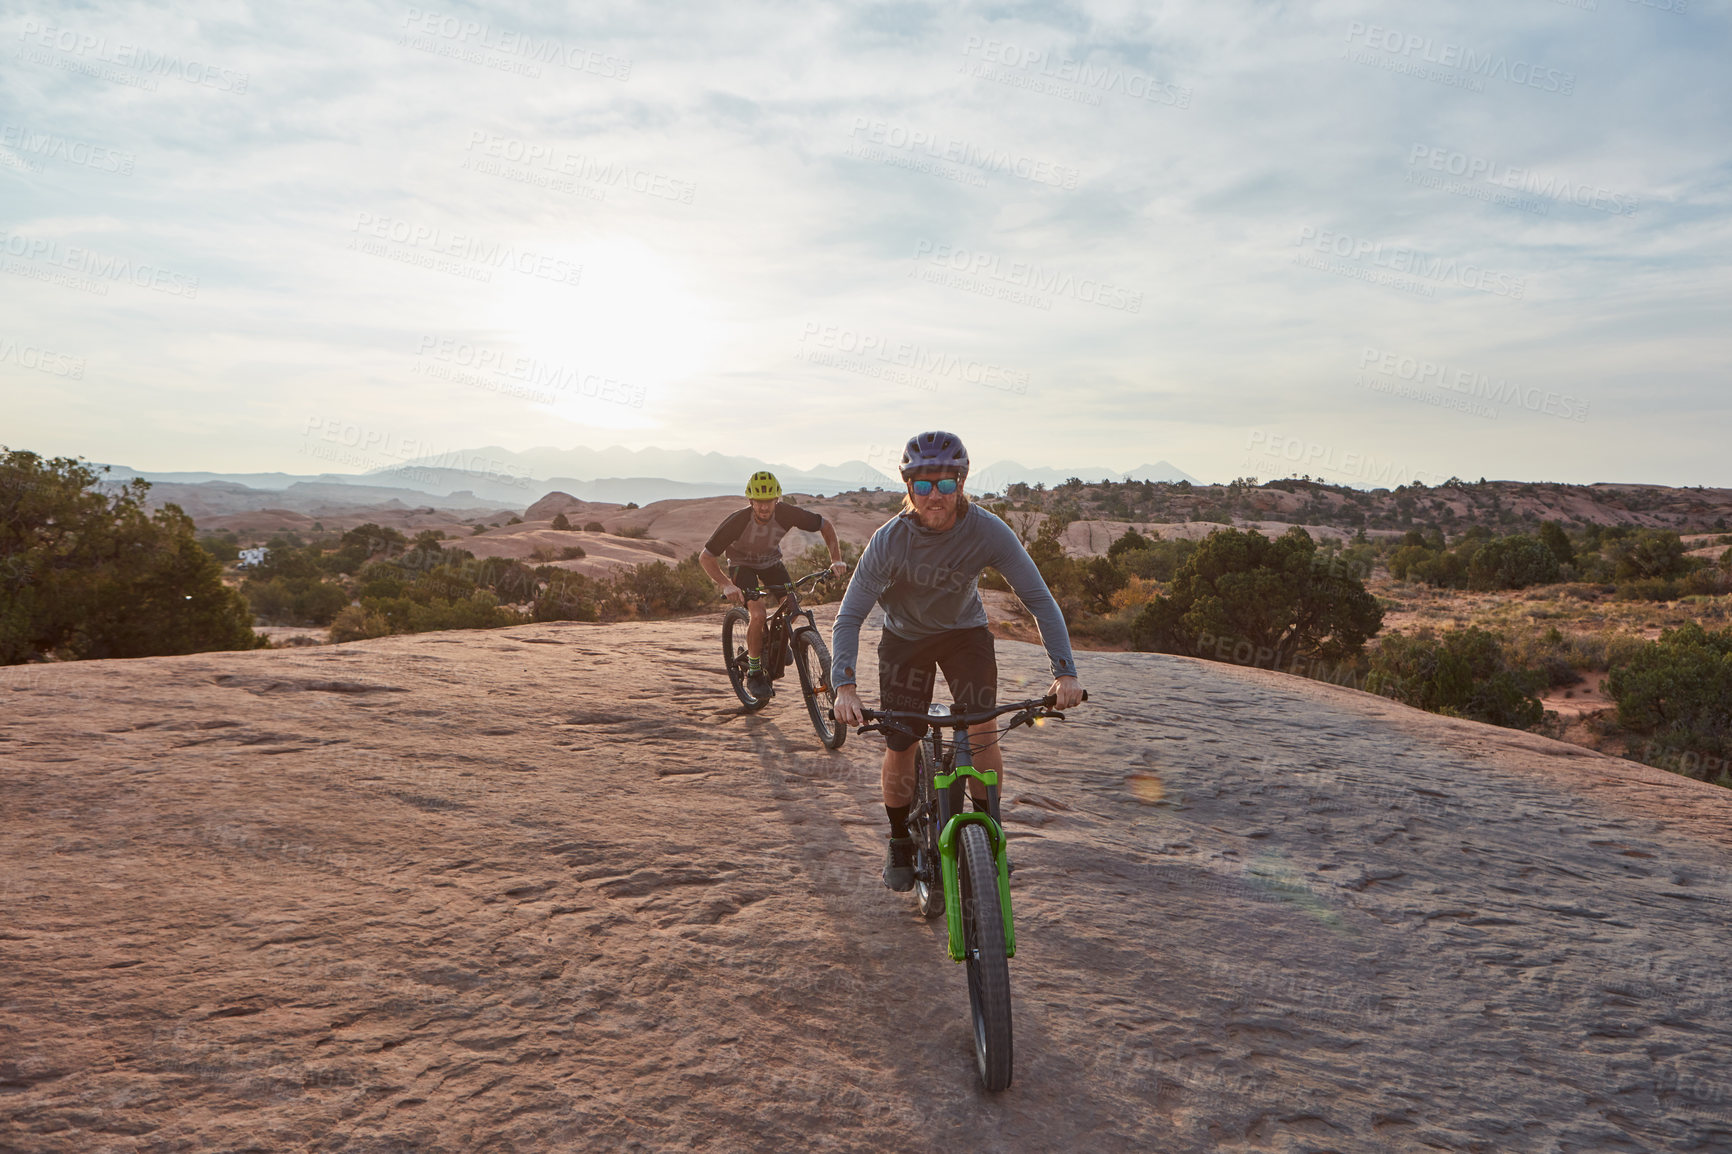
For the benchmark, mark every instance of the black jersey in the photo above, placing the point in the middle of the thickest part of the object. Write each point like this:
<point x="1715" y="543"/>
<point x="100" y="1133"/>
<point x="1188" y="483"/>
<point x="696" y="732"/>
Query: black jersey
<point x="755" y="546"/>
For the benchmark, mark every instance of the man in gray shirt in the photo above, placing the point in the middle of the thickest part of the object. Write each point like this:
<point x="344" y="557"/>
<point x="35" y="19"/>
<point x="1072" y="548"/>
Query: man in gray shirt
<point x="924" y="567"/>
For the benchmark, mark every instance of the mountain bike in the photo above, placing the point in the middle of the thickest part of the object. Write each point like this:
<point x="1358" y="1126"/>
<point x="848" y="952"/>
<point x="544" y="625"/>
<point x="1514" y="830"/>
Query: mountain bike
<point x="786" y="641"/>
<point x="961" y="869"/>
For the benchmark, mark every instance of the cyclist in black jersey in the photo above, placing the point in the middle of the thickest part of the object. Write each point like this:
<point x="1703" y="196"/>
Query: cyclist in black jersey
<point x="751" y="540"/>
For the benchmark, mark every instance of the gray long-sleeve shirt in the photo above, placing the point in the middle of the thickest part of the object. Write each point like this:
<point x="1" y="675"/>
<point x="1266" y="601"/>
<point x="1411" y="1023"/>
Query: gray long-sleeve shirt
<point x="928" y="583"/>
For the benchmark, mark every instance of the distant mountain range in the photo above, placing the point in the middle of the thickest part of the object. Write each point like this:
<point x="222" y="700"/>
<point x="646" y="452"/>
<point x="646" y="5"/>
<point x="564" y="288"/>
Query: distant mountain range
<point x="492" y="477"/>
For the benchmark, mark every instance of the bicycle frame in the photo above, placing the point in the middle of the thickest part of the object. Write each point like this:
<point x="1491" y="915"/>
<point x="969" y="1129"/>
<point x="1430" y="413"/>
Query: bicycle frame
<point x="952" y="766"/>
<point x="777" y="633"/>
<point x="948" y="781"/>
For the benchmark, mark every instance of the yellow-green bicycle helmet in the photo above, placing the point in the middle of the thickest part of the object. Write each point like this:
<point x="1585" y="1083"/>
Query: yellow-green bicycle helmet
<point x="763" y="486"/>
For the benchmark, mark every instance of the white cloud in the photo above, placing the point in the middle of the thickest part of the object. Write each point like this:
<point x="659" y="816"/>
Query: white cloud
<point x="346" y="184"/>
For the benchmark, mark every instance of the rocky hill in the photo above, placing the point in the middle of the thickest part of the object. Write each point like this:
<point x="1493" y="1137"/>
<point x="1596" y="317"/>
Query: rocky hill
<point x="547" y="888"/>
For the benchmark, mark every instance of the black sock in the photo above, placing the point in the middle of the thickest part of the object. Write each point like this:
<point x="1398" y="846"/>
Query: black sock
<point x="898" y="819"/>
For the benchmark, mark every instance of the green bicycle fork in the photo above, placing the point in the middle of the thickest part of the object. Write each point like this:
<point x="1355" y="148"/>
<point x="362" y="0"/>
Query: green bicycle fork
<point x="947" y="860"/>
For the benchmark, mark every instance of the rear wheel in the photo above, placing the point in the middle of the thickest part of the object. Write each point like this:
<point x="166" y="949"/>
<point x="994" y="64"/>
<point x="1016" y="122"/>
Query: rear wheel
<point x="928" y="875"/>
<point x="734" y="627"/>
<point x="988" y="968"/>
<point x="812" y="660"/>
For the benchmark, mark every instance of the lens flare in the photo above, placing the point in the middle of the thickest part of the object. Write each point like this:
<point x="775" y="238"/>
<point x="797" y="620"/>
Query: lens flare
<point x="1147" y="787"/>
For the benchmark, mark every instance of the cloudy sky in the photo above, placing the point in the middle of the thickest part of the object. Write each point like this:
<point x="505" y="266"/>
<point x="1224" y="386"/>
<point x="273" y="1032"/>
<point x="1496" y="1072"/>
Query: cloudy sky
<point x="1368" y="242"/>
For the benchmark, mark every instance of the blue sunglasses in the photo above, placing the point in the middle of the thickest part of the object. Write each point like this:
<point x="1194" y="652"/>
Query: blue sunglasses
<point x="946" y="485"/>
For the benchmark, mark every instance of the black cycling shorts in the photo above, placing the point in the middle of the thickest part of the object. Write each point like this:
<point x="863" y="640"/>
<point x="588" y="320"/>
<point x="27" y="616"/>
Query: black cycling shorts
<point x="906" y="681"/>
<point x="745" y="578"/>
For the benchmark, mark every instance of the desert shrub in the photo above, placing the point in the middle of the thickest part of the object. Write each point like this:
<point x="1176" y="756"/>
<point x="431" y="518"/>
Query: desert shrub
<point x="1649" y="589"/>
<point x="1129" y="541"/>
<point x="655" y="587"/>
<point x="1677" y="692"/>
<point x="1553" y="537"/>
<point x="1464" y="673"/>
<point x="1098" y="579"/>
<point x="1265" y="595"/>
<point x="225" y="549"/>
<point x="566" y="596"/>
<point x="1512" y="562"/>
<point x="381" y="616"/>
<point x="817" y="556"/>
<point x="636" y="532"/>
<point x="1157" y="560"/>
<point x="571" y="552"/>
<point x="1135" y="594"/>
<point x="88" y="573"/>
<point x="592" y="527"/>
<point x="295" y="600"/>
<point x="1647" y="554"/>
<point x="512" y="581"/>
<point x="362" y="544"/>
<point x="561" y="522"/>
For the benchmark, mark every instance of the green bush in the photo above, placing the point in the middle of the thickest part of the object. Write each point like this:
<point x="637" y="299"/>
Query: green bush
<point x="1648" y="554"/>
<point x="1677" y="692"/>
<point x="560" y="522"/>
<point x="1512" y="562"/>
<point x="636" y="532"/>
<point x="1265" y="597"/>
<point x="87" y="573"/>
<point x="225" y="549"/>
<point x="1157" y="560"/>
<point x="592" y="527"/>
<point x="1462" y="674"/>
<point x="382" y="616"/>
<point x="655" y="587"/>
<point x="295" y="600"/>
<point x="566" y="596"/>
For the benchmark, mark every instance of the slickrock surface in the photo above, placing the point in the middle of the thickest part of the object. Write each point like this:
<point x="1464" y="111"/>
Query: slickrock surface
<point x="547" y="889"/>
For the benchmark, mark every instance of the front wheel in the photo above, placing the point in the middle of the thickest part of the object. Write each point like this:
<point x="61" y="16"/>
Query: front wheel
<point x="988" y="968"/>
<point x="734" y="627"/>
<point x="812" y="660"/>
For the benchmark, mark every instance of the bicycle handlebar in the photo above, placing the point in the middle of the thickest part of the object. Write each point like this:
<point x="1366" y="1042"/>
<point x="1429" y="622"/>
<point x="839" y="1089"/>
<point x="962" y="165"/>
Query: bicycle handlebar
<point x="878" y="720"/>
<point x="761" y="590"/>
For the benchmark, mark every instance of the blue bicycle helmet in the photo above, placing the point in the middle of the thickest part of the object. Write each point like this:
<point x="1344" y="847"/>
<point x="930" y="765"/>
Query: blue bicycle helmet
<point x="935" y="450"/>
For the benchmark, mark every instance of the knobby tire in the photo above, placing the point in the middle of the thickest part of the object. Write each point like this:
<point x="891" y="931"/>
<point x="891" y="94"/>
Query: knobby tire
<point x="988" y="968"/>
<point x="734" y="658"/>
<point x="812" y="661"/>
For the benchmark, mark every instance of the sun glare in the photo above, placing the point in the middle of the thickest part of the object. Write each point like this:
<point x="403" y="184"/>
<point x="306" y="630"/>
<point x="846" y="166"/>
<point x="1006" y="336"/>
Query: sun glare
<point x="619" y="343"/>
